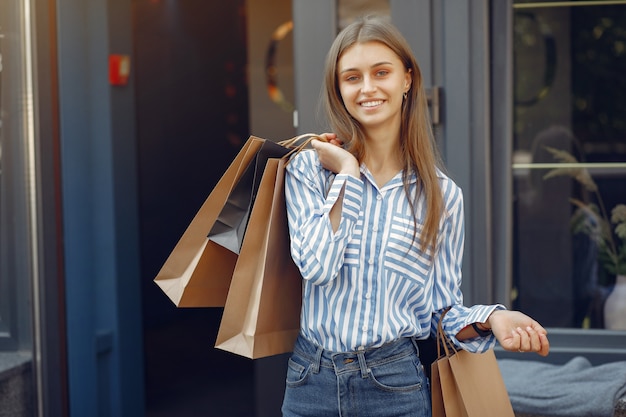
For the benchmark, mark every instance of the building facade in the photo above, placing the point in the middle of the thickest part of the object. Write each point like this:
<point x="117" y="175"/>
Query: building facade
<point x="117" y="118"/>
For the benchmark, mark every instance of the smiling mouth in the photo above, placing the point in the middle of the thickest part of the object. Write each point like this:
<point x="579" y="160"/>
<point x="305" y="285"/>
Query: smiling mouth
<point x="371" y="103"/>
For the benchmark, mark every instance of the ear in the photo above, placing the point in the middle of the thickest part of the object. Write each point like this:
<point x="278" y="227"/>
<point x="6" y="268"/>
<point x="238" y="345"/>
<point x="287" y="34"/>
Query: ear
<point x="408" y="79"/>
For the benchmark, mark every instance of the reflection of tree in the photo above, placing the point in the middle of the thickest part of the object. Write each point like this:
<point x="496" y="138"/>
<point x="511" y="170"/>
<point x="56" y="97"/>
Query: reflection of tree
<point x="540" y="80"/>
<point x="598" y="81"/>
<point x="533" y="37"/>
<point x="593" y="219"/>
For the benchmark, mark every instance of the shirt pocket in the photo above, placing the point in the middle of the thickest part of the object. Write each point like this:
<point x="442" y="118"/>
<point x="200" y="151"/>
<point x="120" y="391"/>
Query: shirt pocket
<point x="403" y="256"/>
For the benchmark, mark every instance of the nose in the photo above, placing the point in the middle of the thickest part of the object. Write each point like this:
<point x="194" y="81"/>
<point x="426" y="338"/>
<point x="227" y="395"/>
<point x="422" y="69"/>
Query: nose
<point x="368" y="85"/>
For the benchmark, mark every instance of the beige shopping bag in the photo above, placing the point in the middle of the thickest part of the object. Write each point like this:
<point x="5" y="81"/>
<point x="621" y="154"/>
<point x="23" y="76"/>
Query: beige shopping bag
<point x="465" y="384"/>
<point x="448" y="402"/>
<point x="262" y="312"/>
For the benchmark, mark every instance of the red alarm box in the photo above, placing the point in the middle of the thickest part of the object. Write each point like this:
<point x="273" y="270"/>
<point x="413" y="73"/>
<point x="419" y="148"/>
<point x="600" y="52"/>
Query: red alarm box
<point x="119" y="69"/>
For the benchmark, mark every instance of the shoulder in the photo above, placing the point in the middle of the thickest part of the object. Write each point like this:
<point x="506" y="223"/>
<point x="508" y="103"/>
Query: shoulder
<point x="305" y="164"/>
<point x="451" y="192"/>
<point x="304" y="160"/>
<point x="449" y="188"/>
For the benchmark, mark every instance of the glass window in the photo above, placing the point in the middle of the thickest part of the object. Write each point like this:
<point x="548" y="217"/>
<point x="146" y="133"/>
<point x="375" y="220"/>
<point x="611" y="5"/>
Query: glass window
<point x="16" y="341"/>
<point x="4" y="285"/>
<point x="8" y="165"/>
<point x="569" y="161"/>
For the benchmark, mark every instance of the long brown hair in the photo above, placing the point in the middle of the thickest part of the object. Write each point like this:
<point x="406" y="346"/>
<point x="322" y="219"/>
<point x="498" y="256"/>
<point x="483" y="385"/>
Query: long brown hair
<point x="417" y="143"/>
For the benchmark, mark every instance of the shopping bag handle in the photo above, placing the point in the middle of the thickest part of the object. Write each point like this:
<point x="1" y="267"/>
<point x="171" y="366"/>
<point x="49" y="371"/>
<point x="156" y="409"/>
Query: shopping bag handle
<point x="443" y="340"/>
<point x="293" y="142"/>
<point x="295" y="147"/>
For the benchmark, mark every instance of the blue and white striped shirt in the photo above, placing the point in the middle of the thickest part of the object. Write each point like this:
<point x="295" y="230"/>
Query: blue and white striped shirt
<point x="368" y="283"/>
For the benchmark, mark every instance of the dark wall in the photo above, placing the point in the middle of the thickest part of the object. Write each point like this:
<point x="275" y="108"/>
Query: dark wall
<point x="192" y="118"/>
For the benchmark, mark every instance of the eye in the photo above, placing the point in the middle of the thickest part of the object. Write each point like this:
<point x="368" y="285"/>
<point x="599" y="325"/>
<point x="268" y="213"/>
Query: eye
<point x="382" y="73"/>
<point x="352" y="78"/>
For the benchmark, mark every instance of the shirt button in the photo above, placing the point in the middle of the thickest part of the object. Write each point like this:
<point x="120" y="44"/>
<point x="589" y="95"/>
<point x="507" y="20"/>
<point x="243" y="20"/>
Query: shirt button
<point x="375" y="228"/>
<point x="364" y="328"/>
<point x="368" y="295"/>
<point x="379" y="197"/>
<point x="370" y="261"/>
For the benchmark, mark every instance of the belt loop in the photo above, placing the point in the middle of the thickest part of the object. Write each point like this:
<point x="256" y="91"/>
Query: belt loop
<point x="364" y="371"/>
<point x="318" y="360"/>
<point x="417" y="349"/>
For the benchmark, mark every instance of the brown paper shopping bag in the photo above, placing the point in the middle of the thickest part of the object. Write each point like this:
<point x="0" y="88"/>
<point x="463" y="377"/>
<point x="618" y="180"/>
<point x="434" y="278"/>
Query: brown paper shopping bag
<point x="467" y="384"/>
<point x="445" y="394"/>
<point x="436" y="393"/>
<point x="480" y="384"/>
<point x="197" y="272"/>
<point x="262" y="312"/>
<point x="230" y="226"/>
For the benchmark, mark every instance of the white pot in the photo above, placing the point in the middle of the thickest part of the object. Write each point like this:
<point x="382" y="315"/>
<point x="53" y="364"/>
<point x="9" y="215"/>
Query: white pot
<point x="615" y="306"/>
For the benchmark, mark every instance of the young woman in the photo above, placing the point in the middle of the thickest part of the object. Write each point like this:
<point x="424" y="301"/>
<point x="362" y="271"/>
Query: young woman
<point x="377" y="232"/>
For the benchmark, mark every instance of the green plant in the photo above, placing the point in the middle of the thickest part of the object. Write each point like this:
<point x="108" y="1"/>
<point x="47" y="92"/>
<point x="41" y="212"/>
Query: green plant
<point x="609" y="233"/>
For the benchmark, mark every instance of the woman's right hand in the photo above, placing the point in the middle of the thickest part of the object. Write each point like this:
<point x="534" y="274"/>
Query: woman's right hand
<point x="333" y="157"/>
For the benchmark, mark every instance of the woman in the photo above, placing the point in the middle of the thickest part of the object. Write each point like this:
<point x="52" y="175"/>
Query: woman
<point x="377" y="232"/>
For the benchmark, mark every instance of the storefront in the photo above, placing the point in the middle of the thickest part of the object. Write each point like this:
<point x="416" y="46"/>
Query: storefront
<point x="87" y="215"/>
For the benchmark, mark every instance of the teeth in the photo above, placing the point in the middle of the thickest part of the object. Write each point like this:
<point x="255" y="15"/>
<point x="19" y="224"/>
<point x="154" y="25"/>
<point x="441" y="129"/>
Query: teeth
<point x="371" y="103"/>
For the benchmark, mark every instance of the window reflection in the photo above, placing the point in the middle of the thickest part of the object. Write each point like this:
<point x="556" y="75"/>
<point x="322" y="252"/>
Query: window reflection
<point x="16" y="348"/>
<point x="570" y="96"/>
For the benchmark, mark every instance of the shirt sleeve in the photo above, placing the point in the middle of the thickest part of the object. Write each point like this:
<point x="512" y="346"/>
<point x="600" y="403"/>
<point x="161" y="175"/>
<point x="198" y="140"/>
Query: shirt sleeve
<point x="447" y="279"/>
<point x="315" y="249"/>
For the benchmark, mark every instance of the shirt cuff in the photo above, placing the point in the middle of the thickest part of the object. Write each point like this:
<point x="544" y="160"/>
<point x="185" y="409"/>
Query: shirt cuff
<point x="352" y="196"/>
<point x="476" y="314"/>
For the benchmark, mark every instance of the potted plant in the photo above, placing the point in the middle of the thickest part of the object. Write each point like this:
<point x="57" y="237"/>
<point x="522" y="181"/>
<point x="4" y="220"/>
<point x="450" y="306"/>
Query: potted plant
<point x="606" y="230"/>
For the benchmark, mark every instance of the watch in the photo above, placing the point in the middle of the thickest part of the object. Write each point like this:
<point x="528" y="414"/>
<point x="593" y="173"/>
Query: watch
<point x="481" y="332"/>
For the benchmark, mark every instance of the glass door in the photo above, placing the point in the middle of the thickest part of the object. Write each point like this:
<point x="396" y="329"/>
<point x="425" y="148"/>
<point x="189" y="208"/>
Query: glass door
<point x="16" y="343"/>
<point x="32" y="373"/>
<point x="569" y="162"/>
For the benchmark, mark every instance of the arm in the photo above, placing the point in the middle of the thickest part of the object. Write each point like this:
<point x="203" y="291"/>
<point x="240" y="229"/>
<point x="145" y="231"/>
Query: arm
<point x="515" y="331"/>
<point x="447" y="278"/>
<point x="339" y="161"/>
<point x="317" y="247"/>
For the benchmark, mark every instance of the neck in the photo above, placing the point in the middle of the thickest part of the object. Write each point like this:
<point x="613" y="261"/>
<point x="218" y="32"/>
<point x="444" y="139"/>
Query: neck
<point x="382" y="150"/>
<point x="383" y="158"/>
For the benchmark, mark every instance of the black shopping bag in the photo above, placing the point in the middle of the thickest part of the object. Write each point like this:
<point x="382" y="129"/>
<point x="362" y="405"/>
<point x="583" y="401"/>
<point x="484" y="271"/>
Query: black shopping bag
<point x="229" y="228"/>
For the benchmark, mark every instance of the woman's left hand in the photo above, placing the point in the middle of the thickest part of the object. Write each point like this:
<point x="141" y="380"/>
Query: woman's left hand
<point x="517" y="332"/>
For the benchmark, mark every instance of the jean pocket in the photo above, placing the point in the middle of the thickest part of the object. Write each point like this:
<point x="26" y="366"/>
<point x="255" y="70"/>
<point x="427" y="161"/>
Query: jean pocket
<point x="296" y="372"/>
<point x="400" y="375"/>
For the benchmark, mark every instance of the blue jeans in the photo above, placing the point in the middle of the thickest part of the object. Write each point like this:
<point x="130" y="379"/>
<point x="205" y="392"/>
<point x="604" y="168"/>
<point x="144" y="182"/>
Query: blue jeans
<point x="385" y="381"/>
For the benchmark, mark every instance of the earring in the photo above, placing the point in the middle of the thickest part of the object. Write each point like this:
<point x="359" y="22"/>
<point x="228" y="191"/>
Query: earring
<point x="405" y="95"/>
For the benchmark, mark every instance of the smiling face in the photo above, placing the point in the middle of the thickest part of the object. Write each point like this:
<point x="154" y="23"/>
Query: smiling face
<point x="372" y="81"/>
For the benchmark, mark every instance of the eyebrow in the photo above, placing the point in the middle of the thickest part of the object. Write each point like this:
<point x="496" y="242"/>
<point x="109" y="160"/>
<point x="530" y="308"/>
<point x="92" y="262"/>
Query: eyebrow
<point x="378" y="64"/>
